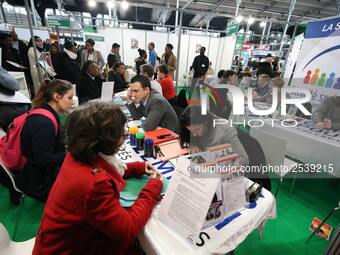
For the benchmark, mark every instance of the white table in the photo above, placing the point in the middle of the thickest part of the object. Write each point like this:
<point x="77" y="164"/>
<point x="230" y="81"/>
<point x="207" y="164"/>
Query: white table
<point x="156" y="238"/>
<point x="308" y="144"/>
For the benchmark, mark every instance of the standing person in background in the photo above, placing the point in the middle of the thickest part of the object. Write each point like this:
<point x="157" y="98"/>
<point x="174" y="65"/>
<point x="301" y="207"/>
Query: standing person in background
<point x="169" y="59"/>
<point x="200" y="64"/>
<point x="91" y="54"/>
<point x="89" y="86"/>
<point x="55" y="52"/>
<point x="141" y="60"/>
<point x="67" y="67"/>
<point x="113" y="56"/>
<point x="167" y="84"/>
<point x="152" y="56"/>
<point x="33" y="66"/>
<point x="117" y="75"/>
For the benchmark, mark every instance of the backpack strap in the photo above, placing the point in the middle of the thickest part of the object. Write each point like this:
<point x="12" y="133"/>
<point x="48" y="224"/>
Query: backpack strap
<point x="46" y="113"/>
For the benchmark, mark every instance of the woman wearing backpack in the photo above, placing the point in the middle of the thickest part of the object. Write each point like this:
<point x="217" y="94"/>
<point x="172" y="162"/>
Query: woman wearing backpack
<point x="41" y="143"/>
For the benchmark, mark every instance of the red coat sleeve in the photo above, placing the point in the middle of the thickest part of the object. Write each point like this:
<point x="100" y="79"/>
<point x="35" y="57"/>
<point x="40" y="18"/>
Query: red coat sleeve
<point x="104" y="212"/>
<point x="134" y="169"/>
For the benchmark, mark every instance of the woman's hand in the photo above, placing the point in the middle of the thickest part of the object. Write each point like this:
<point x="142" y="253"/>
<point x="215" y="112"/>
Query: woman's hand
<point x="194" y="149"/>
<point x="149" y="169"/>
<point x="158" y="176"/>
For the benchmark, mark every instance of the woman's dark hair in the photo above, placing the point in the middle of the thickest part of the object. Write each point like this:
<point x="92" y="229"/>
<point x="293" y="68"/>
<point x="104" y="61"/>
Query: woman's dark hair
<point x="106" y="123"/>
<point x="86" y="66"/>
<point x="48" y="88"/>
<point x="69" y="45"/>
<point x="30" y="43"/>
<point x="163" y="68"/>
<point x="228" y="73"/>
<point x="141" y="52"/>
<point x="220" y="73"/>
<point x="191" y="116"/>
<point x="90" y="41"/>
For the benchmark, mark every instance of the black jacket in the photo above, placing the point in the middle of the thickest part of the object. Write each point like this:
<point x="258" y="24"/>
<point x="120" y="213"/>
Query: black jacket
<point x="67" y="68"/>
<point x="88" y="89"/>
<point x="120" y="83"/>
<point x="11" y="55"/>
<point x="200" y="65"/>
<point x="44" y="152"/>
<point x="111" y="60"/>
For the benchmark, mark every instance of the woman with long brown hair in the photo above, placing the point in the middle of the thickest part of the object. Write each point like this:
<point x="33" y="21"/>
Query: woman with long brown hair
<point x="41" y="140"/>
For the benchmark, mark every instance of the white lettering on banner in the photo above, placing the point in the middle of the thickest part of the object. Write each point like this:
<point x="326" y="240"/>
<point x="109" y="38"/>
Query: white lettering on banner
<point x="238" y="100"/>
<point x="330" y="27"/>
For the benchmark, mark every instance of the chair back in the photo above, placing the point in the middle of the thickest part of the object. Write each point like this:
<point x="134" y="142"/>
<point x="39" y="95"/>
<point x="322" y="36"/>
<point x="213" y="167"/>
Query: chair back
<point x="4" y="240"/>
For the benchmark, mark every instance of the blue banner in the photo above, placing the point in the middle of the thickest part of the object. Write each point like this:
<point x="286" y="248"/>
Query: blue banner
<point x="323" y="28"/>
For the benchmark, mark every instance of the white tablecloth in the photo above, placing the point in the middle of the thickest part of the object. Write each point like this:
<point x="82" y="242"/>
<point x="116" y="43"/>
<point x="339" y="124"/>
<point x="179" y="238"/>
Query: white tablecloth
<point x="156" y="238"/>
<point x="308" y="144"/>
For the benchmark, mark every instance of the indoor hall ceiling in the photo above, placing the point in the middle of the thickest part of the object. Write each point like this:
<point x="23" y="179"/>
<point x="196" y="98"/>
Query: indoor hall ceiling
<point x="214" y="13"/>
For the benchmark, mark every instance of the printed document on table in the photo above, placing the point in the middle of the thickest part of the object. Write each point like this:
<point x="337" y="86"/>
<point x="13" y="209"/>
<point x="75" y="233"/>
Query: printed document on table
<point x="186" y="202"/>
<point x="107" y="91"/>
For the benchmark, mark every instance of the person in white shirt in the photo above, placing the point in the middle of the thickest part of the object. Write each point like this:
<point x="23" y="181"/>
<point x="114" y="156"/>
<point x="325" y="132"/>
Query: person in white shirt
<point x="147" y="71"/>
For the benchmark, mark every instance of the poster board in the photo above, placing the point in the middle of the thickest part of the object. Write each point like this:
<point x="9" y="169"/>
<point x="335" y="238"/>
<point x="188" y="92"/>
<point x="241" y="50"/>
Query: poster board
<point x="293" y="56"/>
<point x="317" y="66"/>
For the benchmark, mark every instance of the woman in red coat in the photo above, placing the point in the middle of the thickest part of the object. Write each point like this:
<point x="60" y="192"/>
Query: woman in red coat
<point x="167" y="84"/>
<point x="82" y="214"/>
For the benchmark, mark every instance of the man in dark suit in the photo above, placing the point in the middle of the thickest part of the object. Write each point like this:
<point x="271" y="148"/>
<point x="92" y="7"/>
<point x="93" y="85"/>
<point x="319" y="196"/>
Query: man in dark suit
<point x="200" y="64"/>
<point x="89" y="86"/>
<point x="153" y="106"/>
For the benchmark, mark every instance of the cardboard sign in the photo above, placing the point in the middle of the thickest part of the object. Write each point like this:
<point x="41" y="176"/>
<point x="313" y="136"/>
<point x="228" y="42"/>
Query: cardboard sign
<point x="324" y="232"/>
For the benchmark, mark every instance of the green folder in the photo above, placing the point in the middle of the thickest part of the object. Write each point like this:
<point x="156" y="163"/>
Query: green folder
<point x="134" y="186"/>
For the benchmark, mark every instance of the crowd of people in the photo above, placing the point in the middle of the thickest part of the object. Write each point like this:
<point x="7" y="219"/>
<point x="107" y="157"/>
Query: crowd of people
<point x="73" y="216"/>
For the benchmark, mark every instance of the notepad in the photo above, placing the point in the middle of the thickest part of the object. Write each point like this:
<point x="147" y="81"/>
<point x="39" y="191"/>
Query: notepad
<point x="171" y="149"/>
<point x="155" y="134"/>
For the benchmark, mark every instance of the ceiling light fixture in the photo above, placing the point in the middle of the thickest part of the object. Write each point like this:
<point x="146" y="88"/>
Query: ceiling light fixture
<point x="263" y="23"/>
<point x="239" y="19"/>
<point x="111" y="4"/>
<point x="92" y="3"/>
<point x="125" y="5"/>
<point x="250" y="20"/>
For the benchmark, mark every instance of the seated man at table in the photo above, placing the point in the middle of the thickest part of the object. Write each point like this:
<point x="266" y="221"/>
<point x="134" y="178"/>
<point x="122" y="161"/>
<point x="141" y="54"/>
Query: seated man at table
<point x="328" y="114"/>
<point x="89" y="86"/>
<point x="262" y="85"/>
<point x="117" y="75"/>
<point x="153" y="106"/>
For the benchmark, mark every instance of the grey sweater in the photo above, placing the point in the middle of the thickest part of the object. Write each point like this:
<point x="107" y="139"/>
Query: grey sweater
<point x="221" y="134"/>
<point x="330" y="109"/>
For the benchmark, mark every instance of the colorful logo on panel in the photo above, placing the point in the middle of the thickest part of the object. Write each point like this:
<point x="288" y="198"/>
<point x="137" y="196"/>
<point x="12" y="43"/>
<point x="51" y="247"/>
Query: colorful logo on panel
<point x="319" y="78"/>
